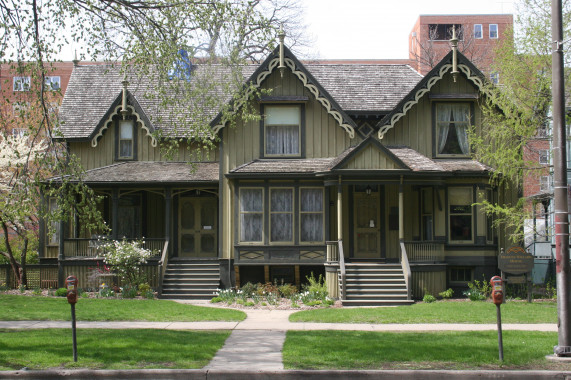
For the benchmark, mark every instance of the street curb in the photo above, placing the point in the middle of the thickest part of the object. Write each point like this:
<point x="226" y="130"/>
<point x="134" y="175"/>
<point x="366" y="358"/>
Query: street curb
<point x="201" y="374"/>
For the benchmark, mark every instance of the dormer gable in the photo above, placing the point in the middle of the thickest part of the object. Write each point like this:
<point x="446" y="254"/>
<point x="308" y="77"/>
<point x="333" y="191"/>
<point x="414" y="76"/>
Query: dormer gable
<point x="370" y="154"/>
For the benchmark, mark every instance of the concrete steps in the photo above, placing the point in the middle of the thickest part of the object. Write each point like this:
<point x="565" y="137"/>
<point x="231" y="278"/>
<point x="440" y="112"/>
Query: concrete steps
<point x="375" y="284"/>
<point x="191" y="279"/>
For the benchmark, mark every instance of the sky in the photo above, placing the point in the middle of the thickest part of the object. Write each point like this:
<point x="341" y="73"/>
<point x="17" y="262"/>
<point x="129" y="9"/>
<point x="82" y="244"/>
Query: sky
<point x="379" y="29"/>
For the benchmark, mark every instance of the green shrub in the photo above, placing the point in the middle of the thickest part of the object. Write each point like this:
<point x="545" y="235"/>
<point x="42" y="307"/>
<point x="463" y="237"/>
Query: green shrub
<point x="240" y="301"/>
<point x="144" y="288"/>
<point x="216" y="299"/>
<point x="249" y="303"/>
<point x="129" y="291"/>
<point x="474" y="295"/>
<point x="447" y="294"/>
<point x="37" y="291"/>
<point x="149" y="294"/>
<point x="428" y="298"/>
<point x="287" y="290"/>
<point x="483" y="287"/>
<point x="61" y="292"/>
<point x="248" y="289"/>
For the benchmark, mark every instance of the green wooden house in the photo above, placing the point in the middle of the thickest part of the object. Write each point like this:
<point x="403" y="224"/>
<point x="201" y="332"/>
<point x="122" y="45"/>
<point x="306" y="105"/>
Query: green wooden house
<point x="359" y="172"/>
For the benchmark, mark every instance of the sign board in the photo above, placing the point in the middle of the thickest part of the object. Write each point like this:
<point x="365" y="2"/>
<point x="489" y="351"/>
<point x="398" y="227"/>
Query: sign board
<point x="517" y="279"/>
<point x="515" y="261"/>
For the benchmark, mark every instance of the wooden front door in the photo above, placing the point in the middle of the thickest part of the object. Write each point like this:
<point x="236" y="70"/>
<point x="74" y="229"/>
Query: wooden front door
<point x="367" y="226"/>
<point x="198" y="227"/>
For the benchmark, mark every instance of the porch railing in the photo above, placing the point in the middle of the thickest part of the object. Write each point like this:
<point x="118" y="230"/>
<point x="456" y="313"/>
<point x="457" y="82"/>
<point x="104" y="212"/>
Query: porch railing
<point x="335" y="254"/>
<point x="406" y="270"/>
<point x="430" y="251"/>
<point x="163" y="263"/>
<point x="92" y="248"/>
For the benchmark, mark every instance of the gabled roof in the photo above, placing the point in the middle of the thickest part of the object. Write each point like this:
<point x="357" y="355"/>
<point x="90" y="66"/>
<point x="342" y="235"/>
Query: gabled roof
<point x="374" y="147"/>
<point x="95" y="91"/>
<point x="466" y="68"/>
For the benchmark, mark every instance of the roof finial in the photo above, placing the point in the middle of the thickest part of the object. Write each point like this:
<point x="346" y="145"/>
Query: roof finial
<point x="454" y="42"/>
<point x="281" y="36"/>
<point x="75" y="60"/>
<point x="124" y="110"/>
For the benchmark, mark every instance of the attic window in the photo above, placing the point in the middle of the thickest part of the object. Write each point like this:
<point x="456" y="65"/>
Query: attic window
<point x="126" y="140"/>
<point x="452" y="123"/>
<point x="282" y="130"/>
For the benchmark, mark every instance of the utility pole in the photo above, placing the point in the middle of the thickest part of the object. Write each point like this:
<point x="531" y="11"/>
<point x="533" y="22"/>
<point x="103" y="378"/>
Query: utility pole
<point x="560" y="183"/>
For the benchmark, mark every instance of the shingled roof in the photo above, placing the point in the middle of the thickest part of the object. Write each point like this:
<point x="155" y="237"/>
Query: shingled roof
<point x="94" y="90"/>
<point x="152" y="172"/>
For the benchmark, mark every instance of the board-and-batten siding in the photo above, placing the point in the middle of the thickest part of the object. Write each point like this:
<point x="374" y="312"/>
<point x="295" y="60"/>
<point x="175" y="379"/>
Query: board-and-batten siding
<point x="104" y="153"/>
<point x="415" y="128"/>
<point x="371" y="158"/>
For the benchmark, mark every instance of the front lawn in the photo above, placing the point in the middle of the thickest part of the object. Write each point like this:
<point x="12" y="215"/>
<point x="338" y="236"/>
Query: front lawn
<point x="21" y="308"/>
<point x="407" y="350"/>
<point x="437" y="312"/>
<point x="108" y="349"/>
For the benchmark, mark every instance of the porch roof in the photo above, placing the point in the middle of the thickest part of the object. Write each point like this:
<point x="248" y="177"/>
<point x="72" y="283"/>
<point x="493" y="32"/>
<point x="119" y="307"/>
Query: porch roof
<point x="139" y="172"/>
<point x="418" y="162"/>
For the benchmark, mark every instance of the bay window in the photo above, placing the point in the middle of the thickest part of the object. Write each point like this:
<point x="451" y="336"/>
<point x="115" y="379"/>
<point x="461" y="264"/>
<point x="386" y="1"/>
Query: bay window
<point x="281" y="215"/>
<point x="311" y="214"/>
<point x="452" y="123"/>
<point x="251" y="215"/>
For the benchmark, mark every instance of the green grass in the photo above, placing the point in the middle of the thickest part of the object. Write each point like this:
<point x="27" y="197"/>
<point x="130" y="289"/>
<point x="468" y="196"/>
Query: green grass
<point x="437" y="312"/>
<point x="108" y="349"/>
<point x="21" y="308"/>
<point x="442" y="350"/>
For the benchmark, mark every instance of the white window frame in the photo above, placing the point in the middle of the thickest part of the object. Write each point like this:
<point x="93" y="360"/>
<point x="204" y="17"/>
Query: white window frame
<point x="267" y="124"/>
<point x="545" y="184"/>
<point x="493" y="28"/>
<point x="289" y="212"/>
<point x="49" y="83"/>
<point x="452" y="213"/>
<point x="21" y="83"/>
<point x="543" y="156"/>
<point x="311" y="212"/>
<point x="478" y="31"/>
<point x="241" y="212"/>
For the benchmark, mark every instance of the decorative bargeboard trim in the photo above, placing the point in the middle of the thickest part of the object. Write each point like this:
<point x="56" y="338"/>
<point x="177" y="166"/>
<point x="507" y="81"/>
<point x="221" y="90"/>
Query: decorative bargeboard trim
<point x="109" y="120"/>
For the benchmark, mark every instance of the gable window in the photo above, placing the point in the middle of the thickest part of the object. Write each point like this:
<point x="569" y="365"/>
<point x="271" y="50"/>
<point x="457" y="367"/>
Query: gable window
<point x="281" y="215"/>
<point x="282" y="131"/>
<point x="21" y="83"/>
<point x="52" y="83"/>
<point x="493" y="30"/>
<point x="478" y="31"/>
<point x="251" y="215"/>
<point x="126" y="140"/>
<point x="460" y="214"/>
<point x="452" y="123"/>
<point x="311" y="214"/>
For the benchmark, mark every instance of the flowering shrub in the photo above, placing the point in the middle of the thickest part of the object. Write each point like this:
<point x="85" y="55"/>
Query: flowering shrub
<point x="126" y="258"/>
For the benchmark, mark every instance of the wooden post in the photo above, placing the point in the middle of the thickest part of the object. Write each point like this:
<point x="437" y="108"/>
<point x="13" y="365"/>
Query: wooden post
<point x="266" y="273"/>
<point x="339" y="210"/>
<point x="401" y="210"/>
<point x="237" y="272"/>
<point x="297" y="277"/>
<point x="168" y="215"/>
<point x="115" y="213"/>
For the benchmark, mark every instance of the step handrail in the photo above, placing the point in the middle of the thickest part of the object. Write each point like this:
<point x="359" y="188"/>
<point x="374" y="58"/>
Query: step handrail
<point x="342" y="268"/>
<point x="406" y="269"/>
<point x="163" y="263"/>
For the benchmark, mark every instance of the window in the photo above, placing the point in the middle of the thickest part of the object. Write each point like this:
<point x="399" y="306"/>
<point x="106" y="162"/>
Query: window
<point x="443" y="32"/>
<point x="478" y="34"/>
<point x="19" y="132"/>
<point x="126" y="139"/>
<point x="460" y="214"/>
<point x="129" y="217"/>
<point x="545" y="183"/>
<point x="311" y="215"/>
<point x="53" y="229"/>
<point x="495" y="78"/>
<point x="19" y="109"/>
<point x="543" y="156"/>
<point x="21" y="83"/>
<point x="452" y="122"/>
<point x="282" y="131"/>
<point x="460" y="274"/>
<point x="426" y="207"/>
<point x="489" y="218"/>
<point x="52" y="83"/>
<point x="281" y="215"/>
<point x="251" y="214"/>
<point x="493" y="30"/>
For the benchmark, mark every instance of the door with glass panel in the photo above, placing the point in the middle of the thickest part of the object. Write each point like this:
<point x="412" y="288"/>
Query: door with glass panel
<point x="367" y="228"/>
<point x="197" y="227"/>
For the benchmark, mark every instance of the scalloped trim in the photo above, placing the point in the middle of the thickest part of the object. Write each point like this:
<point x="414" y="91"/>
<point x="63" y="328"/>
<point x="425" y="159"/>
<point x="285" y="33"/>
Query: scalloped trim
<point x="303" y="78"/>
<point x="109" y="120"/>
<point x="420" y="93"/>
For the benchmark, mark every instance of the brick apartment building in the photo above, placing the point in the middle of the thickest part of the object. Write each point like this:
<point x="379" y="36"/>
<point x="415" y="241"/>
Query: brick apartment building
<point x="430" y="37"/>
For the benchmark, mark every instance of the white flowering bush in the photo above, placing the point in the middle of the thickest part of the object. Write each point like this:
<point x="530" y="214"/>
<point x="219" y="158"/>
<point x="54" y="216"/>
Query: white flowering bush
<point x="126" y="258"/>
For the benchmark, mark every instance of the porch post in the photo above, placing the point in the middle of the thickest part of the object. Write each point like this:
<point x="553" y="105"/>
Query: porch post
<point x="168" y="213"/>
<point x="339" y="210"/>
<point x="61" y="254"/>
<point x="115" y="213"/>
<point x="401" y="210"/>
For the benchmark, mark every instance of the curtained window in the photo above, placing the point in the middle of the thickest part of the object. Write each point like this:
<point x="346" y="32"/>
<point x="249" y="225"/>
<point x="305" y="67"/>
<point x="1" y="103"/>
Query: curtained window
<point x="282" y="127"/>
<point x="126" y="139"/>
<point x="452" y="123"/>
<point x="251" y="214"/>
<point x="281" y="215"/>
<point x="311" y="214"/>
